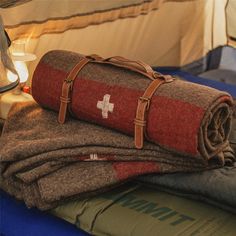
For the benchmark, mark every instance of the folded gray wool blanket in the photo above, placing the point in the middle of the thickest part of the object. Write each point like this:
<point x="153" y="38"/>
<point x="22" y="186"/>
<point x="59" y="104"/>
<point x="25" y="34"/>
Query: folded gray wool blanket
<point x="44" y="163"/>
<point x="232" y="137"/>
<point x="217" y="187"/>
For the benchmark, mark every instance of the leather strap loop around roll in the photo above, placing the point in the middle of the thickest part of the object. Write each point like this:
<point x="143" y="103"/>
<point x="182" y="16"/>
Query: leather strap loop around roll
<point x="143" y="102"/>
<point x="143" y="107"/>
<point x="67" y="88"/>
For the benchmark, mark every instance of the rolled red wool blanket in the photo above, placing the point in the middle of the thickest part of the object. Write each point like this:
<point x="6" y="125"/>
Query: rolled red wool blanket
<point x="184" y="117"/>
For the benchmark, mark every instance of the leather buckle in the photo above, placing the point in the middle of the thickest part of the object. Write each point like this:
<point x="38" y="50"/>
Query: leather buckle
<point x="166" y="78"/>
<point x="147" y="100"/>
<point x="69" y="83"/>
<point x="68" y="80"/>
<point x="156" y="74"/>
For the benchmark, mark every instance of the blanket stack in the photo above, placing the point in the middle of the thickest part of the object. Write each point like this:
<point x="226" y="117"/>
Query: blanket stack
<point x="197" y="117"/>
<point x="46" y="163"/>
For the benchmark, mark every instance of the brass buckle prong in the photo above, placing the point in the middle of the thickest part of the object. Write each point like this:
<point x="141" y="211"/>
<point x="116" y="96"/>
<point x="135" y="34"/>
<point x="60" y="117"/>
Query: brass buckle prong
<point x="68" y="80"/>
<point x="147" y="100"/>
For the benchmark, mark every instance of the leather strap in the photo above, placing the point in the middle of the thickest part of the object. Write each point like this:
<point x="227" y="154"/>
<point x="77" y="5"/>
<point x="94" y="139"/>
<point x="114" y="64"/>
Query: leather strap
<point x="67" y="88"/>
<point x="143" y="102"/>
<point x="137" y="66"/>
<point x="143" y="107"/>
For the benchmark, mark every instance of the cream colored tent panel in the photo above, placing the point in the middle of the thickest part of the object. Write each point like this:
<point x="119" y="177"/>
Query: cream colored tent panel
<point x="231" y="18"/>
<point x="159" y="32"/>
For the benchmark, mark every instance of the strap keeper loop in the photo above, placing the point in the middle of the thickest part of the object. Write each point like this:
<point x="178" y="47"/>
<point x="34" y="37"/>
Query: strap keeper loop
<point x="68" y="80"/>
<point x="67" y="87"/>
<point x="145" y="99"/>
<point x="140" y="122"/>
<point x="142" y="109"/>
<point x="65" y="99"/>
<point x="166" y="78"/>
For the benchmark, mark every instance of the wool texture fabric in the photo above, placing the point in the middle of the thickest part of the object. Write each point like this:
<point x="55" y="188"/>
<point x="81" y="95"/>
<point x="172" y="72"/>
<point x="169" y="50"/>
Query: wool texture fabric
<point x="219" y="191"/>
<point x="45" y="163"/>
<point x="232" y="137"/>
<point x="187" y="118"/>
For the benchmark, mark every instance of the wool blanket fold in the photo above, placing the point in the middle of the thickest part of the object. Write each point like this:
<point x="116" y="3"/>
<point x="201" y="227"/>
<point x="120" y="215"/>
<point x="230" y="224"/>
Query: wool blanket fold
<point x="197" y="117"/>
<point x="217" y="187"/>
<point x="44" y="163"/>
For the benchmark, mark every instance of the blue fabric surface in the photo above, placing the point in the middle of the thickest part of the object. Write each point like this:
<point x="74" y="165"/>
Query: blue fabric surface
<point x="17" y="220"/>
<point x="199" y="80"/>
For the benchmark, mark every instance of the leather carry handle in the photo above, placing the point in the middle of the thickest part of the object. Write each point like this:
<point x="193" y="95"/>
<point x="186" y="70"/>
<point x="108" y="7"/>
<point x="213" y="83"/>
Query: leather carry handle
<point x="137" y="66"/>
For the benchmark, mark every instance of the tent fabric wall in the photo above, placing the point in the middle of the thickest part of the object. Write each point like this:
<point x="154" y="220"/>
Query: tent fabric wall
<point x="231" y="18"/>
<point x="58" y="16"/>
<point x="159" y="32"/>
<point x="10" y="3"/>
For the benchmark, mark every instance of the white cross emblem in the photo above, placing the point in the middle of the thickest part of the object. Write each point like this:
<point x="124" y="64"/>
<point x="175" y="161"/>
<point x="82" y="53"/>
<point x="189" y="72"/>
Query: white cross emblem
<point x="93" y="157"/>
<point x="105" y="106"/>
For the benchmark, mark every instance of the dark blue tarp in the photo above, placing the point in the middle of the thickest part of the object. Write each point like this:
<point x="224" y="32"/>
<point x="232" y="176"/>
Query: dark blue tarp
<point x="17" y="220"/>
<point x="199" y="80"/>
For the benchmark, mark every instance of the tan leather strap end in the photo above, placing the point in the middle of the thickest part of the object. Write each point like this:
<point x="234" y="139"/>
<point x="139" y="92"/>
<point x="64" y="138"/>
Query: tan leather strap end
<point x="67" y="88"/>
<point x="143" y="106"/>
<point x="64" y="102"/>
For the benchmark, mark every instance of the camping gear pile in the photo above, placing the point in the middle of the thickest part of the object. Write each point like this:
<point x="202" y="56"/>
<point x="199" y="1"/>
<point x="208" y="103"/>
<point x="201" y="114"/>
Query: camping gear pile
<point x="111" y="145"/>
<point x="48" y="159"/>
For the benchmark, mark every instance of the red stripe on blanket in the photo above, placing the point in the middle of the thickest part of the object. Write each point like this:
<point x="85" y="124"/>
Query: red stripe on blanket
<point x="225" y="99"/>
<point x="51" y="87"/>
<point x="171" y="128"/>
<point x="125" y="170"/>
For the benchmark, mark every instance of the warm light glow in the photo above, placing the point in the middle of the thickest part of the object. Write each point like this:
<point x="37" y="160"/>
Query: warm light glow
<point x="18" y="53"/>
<point x="18" y="48"/>
<point x="11" y="76"/>
<point x="22" y="70"/>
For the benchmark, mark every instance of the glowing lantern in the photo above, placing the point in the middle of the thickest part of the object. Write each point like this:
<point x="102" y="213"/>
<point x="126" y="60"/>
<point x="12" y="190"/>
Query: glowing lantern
<point x="20" y="57"/>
